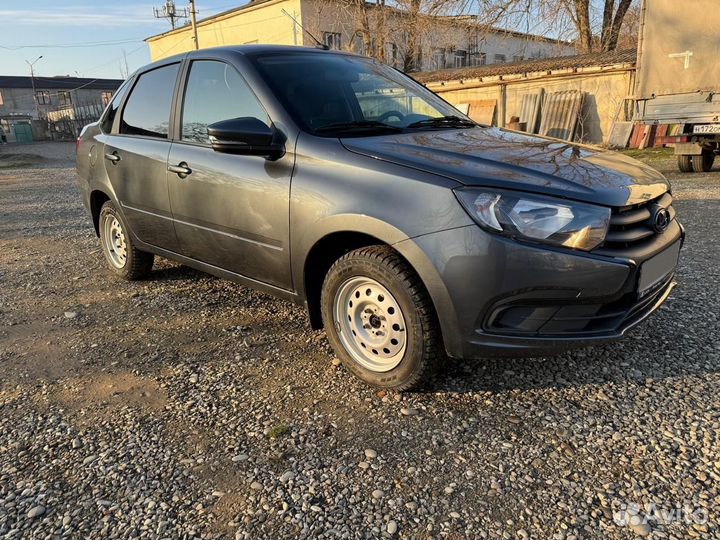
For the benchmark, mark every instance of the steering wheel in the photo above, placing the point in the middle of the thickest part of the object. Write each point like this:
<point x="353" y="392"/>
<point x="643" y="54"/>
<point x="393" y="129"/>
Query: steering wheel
<point x="384" y="116"/>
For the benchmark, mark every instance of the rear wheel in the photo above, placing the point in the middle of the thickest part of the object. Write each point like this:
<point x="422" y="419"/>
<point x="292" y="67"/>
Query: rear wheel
<point x="685" y="164"/>
<point x="379" y="318"/>
<point x="121" y="254"/>
<point x="703" y="162"/>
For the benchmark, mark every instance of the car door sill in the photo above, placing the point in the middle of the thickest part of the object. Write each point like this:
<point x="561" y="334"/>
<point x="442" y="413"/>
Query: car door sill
<point x="220" y="272"/>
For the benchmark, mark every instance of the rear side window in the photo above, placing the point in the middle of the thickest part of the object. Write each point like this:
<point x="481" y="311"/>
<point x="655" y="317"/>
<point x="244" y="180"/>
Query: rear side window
<point x="147" y="110"/>
<point x="215" y="91"/>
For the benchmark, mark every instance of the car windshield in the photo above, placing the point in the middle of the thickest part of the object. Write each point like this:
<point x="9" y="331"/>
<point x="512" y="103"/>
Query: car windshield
<point x="343" y="95"/>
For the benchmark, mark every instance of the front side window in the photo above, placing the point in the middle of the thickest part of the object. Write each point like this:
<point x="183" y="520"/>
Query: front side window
<point x="215" y="91"/>
<point x="147" y="110"/>
<point x="333" y="93"/>
<point x="65" y="98"/>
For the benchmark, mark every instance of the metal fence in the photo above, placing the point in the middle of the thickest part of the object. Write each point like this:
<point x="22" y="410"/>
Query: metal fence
<point x="65" y="122"/>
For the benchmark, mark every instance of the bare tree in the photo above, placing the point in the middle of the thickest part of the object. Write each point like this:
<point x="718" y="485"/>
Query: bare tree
<point x="630" y="30"/>
<point x="596" y="24"/>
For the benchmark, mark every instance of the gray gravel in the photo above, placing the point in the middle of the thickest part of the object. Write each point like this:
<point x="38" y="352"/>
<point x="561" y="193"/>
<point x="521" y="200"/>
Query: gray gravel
<point x="185" y="406"/>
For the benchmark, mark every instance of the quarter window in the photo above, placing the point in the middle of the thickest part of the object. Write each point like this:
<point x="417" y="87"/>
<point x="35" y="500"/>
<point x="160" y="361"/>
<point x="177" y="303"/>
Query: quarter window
<point x="147" y="111"/>
<point x="111" y="111"/>
<point x="215" y="91"/>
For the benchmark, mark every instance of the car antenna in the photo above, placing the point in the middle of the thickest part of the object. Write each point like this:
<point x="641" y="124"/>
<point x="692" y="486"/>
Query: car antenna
<point x="320" y="44"/>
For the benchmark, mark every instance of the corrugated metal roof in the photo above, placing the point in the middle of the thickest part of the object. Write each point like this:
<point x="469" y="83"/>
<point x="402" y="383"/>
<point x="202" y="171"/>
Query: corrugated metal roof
<point x="560" y="112"/>
<point x="628" y="56"/>
<point x="59" y="83"/>
<point x="530" y="110"/>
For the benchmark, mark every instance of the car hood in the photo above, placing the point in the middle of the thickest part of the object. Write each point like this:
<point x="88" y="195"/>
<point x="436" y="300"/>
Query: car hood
<point x="505" y="159"/>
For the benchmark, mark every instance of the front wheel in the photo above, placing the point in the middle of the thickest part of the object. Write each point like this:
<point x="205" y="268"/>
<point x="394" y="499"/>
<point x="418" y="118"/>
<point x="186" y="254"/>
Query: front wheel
<point x="379" y="318"/>
<point x="121" y="254"/>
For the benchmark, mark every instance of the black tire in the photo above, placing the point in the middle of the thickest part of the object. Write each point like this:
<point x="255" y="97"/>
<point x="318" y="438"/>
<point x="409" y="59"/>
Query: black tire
<point x="685" y="164"/>
<point x="137" y="264"/>
<point x="423" y="341"/>
<point x="703" y="162"/>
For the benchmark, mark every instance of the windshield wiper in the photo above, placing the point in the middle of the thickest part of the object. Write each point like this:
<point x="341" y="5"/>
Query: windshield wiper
<point x="443" y="121"/>
<point x="359" y="125"/>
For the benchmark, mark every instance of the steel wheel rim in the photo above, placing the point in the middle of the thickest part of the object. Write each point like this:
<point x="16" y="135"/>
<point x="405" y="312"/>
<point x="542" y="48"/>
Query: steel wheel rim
<point x="114" y="239"/>
<point x="370" y="324"/>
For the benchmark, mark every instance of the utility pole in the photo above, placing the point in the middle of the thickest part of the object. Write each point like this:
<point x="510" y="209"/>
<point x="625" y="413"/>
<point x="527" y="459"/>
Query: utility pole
<point x="32" y="82"/>
<point x="194" y="23"/>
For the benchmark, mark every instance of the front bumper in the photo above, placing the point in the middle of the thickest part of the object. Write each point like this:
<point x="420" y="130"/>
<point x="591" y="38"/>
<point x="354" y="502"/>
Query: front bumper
<point x="496" y="297"/>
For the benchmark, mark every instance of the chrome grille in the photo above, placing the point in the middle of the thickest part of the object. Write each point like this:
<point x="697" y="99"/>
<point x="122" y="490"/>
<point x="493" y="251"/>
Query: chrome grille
<point x="631" y="225"/>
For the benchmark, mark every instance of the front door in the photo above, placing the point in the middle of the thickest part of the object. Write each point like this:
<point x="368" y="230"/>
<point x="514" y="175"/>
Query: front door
<point x="230" y="211"/>
<point x="135" y="156"/>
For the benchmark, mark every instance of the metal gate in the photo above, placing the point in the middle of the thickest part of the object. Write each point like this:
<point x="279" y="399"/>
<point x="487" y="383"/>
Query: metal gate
<point x="23" y="133"/>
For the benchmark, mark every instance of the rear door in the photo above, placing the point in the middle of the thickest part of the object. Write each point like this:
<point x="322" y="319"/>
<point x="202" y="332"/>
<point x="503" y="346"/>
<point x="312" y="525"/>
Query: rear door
<point x="136" y="153"/>
<point x="230" y="211"/>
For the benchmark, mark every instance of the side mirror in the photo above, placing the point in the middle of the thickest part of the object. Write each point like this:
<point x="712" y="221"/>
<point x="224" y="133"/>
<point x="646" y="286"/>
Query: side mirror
<point x="245" y="136"/>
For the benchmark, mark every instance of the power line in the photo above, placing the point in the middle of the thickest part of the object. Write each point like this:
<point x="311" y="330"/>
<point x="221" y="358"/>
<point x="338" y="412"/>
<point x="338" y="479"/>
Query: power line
<point x="71" y="45"/>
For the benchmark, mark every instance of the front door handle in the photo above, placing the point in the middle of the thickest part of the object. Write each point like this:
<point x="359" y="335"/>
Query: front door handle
<point x="113" y="158"/>
<point x="181" y="169"/>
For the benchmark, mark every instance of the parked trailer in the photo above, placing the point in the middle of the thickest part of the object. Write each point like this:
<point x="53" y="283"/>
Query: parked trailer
<point x="678" y="77"/>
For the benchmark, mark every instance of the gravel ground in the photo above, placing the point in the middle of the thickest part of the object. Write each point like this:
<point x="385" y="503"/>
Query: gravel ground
<point x="185" y="406"/>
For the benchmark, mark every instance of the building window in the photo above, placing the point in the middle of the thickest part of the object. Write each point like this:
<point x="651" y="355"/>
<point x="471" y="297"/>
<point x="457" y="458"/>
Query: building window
<point x="359" y="45"/>
<point x="438" y="59"/>
<point x="392" y="54"/>
<point x="42" y="97"/>
<point x="333" y="40"/>
<point x="478" y="59"/>
<point x="460" y="58"/>
<point x="106" y="97"/>
<point x="474" y="44"/>
<point x="500" y="59"/>
<point x="64" y="98"/>
<point x="518" y="58"/>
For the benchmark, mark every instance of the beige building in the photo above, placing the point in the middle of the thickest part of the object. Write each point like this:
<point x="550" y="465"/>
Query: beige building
<point x="438" y="42"/>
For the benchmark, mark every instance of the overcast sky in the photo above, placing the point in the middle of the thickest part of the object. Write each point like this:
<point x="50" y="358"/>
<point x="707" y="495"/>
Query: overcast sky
<point x="83" y="37"/>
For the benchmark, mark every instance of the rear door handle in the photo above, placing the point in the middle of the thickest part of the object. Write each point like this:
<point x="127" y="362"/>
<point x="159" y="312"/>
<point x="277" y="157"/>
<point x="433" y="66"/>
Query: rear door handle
<point x="181" y="169"/>
<point x="114" y="157"/>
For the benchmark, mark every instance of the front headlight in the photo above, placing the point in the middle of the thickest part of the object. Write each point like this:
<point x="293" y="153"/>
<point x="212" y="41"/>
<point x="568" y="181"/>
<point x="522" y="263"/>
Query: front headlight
<point x="537" y="218"/>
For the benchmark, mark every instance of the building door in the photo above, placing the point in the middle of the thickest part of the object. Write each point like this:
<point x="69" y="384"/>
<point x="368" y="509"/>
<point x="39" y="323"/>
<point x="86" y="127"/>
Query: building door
<point x="23" y="132"/>
<point x="230" y="211"/>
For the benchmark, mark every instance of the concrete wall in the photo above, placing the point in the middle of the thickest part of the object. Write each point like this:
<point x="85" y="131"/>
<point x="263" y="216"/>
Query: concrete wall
<point x="264" y="23"/>
<point x="21" y="101"/>
<point x="605" y="87"/>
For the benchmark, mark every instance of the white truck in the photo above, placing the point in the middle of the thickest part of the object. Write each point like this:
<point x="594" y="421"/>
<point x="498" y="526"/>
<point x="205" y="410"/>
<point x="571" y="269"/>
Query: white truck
<point x="678" y="77"/>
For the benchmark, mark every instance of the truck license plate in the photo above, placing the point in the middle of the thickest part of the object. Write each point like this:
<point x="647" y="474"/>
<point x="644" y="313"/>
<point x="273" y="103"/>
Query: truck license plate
<point x="706" y="128"/>
<point x="659" y="267"/>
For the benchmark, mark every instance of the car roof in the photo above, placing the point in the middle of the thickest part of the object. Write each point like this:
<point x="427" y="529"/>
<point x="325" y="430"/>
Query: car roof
<point x="248" y="50"/>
